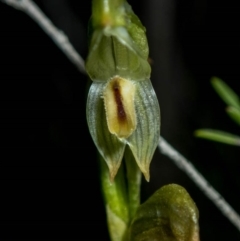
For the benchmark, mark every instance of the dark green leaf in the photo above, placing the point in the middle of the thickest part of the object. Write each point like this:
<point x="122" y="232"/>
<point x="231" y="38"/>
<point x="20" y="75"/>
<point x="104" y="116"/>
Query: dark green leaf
<point x="168" y="215"/>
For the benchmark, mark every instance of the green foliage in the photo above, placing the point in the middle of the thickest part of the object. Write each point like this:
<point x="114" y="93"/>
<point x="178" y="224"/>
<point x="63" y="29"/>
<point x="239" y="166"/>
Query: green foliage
<point x="168" y="215"/>
<point x="233" y="110"/>
<point x="234" y="113"/>
<point x="225" y="92"/>
<point x="220" y="136"/>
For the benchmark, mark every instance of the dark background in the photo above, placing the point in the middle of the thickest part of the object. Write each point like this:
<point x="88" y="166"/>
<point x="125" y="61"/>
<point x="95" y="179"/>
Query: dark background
<point x="49" y="183"/>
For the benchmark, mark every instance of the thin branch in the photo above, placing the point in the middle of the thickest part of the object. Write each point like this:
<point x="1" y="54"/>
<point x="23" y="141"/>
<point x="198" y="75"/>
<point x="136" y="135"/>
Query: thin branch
<point x="60" y="39"/>
<point x="200" y="181"/>
<point x="63" y="43"/>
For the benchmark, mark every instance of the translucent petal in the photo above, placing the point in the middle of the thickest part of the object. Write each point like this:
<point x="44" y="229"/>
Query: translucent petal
<point x="144" y="139"/>
<point x="100" y="63"/>
<point x="109" y="146"/>
<point x="118" y="44"/>
<point x="113" y="53"/>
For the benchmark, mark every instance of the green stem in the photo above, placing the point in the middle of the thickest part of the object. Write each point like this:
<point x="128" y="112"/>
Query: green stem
<point x="134" y="183"/>
<point x="108" y="12"/>
<point x="116" y="202"/>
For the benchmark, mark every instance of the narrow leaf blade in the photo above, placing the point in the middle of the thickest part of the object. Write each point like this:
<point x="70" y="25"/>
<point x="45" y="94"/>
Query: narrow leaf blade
<point x="225" y="92"/>
<point x="234" y="113"/>
<point x="219" y="136"/>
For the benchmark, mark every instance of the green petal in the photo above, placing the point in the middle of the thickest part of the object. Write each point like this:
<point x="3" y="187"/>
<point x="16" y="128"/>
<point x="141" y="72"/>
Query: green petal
<point x="112" y="52"/>
<point x="109" y="146"/>
<point x="168" y="215"/>
<point x="100" y="64"/>
<point x="131" y="61"/>
<point x="118" y="46"/>
<point x="144" y="139"/>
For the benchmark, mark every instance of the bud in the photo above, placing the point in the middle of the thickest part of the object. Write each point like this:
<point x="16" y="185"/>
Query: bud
<point x="122" y="107"/>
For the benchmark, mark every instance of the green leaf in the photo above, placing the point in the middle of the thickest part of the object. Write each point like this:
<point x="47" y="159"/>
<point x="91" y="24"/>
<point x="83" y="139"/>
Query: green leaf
<point x="168" y="215"/>
<point x="219" y="136"/>
<point x="234" y="113"/>
<point x="225" y="92"/>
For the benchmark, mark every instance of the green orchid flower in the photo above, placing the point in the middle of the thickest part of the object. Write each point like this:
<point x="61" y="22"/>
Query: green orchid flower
<point x="122" y="107"/>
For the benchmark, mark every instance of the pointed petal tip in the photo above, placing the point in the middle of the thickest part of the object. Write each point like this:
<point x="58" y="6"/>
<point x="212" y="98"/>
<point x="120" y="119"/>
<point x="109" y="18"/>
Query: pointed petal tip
<point x="145" y="171"/>
<point x="113" y="170"/>
<point x="143" y="166"/>
<point x="147" y="176"/>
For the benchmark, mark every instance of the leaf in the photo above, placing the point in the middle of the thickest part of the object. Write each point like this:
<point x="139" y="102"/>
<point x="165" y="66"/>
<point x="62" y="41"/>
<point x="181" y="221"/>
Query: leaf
<point x="225" y="92"/>
<point x="168" y="215"/>
<point x="234" y="113"/>
<point x="219" y="136"/>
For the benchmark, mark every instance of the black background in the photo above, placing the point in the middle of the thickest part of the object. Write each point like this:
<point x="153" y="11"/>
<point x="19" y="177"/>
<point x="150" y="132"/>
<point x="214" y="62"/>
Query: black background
<point x="49" y="183"/>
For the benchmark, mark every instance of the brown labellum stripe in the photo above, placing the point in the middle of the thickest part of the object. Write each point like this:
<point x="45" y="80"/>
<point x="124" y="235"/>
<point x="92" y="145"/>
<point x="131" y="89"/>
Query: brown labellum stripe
<point x="118" y="99"/>
<point x="119" y="105"/>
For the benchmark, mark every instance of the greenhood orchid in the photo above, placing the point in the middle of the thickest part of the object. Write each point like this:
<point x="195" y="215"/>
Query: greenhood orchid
<point x="122" y="107"/>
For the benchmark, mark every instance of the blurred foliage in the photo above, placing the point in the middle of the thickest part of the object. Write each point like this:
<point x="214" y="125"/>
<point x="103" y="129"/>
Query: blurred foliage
<point x="233" y="110"/>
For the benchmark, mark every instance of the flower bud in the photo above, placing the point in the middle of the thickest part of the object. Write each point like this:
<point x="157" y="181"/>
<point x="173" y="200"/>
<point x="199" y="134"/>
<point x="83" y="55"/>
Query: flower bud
<point x="131" y="116"/>
<point x="122" y="107"/>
